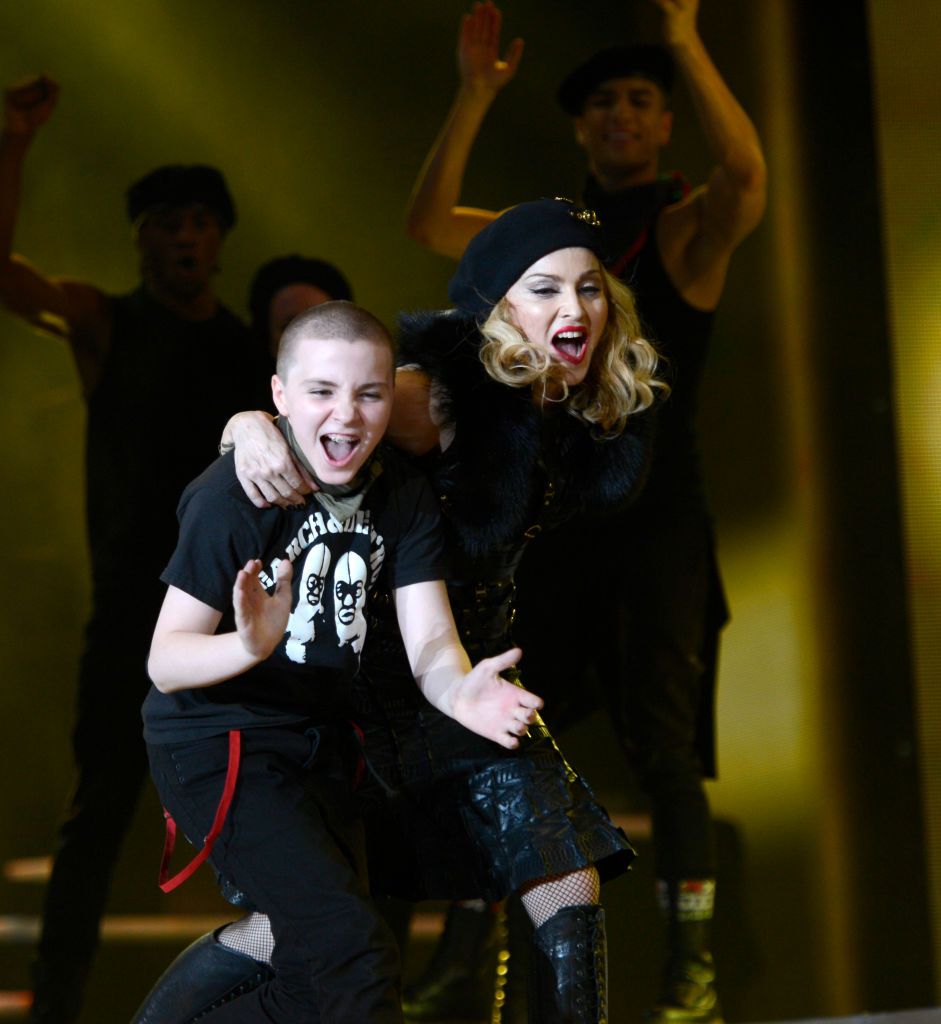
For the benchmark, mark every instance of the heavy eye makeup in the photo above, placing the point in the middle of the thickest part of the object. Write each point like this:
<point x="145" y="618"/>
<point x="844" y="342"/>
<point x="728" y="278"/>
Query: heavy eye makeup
<point x="543" y="287"/>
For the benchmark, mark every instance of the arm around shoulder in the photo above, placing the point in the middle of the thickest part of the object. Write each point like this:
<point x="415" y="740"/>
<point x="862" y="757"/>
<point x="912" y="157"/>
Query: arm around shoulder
<point x="264" y="465"/>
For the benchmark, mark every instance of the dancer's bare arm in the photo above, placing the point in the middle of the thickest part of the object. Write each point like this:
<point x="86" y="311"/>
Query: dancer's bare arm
<point x="698" y="235"/>
<point x="435" y="217"/>
<point x="73" y="310"/>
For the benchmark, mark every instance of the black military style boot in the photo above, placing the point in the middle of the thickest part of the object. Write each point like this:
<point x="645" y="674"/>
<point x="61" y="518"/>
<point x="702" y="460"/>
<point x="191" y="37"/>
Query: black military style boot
<point x="203" y="977"/>
<point x="687" y="993"/>
<point x="570" y="968"/>
<point x="458" y="984"/>
<point x="687" y="987"/>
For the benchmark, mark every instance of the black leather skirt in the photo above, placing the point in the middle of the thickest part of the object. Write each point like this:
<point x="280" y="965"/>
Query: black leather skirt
<point x="450" y="815"/>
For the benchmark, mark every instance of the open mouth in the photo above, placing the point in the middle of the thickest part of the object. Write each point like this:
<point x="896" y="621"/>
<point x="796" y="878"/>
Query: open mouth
<point x="571" y="344"/>
<point x="339" y="448"/>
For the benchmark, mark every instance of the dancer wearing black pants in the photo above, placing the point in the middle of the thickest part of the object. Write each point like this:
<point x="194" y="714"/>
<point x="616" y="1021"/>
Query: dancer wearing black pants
<point x="133" y="354"/>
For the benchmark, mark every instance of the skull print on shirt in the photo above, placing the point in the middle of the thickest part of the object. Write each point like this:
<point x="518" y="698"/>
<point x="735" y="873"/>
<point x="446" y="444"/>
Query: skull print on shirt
<point x="340" y="561"/>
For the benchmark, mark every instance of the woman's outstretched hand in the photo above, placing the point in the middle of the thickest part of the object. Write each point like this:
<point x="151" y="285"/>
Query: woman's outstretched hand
<point x="489" y="705"/>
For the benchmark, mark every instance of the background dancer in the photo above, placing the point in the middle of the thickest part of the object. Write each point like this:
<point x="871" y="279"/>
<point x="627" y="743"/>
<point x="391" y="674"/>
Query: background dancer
<point x="288" y="285"/>
<point x="132" y="353"/>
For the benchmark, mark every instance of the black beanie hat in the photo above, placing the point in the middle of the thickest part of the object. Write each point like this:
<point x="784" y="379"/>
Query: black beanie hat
<point x="498" y="256"/>
<point x="278" y="273"/>
<point x="653" y="62"/>
<point x="178" y="185"/>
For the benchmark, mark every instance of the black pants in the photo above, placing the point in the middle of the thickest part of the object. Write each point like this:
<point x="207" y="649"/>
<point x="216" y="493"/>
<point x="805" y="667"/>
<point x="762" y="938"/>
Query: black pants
<point x="648" y="625"/>
<point x="293" y="845"/>
<point x="111" y="766"/>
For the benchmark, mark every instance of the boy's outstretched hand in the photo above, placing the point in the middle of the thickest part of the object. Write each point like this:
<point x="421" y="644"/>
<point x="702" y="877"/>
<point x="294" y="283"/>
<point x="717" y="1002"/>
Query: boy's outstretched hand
<point x="261" y="620"/>
<point x="489" y="705"/>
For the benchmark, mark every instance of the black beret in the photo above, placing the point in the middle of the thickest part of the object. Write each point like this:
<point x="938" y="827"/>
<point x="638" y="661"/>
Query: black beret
<point x="497" y="257"/>
<point x="278" y="273"/>
<point x="178" y="185"/>
<point x="653" y="62"/>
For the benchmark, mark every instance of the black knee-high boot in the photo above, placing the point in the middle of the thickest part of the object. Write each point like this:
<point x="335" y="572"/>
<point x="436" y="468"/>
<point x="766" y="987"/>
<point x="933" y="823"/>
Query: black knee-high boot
<point x="570" y="968"/>
<point x="204" y="976"/>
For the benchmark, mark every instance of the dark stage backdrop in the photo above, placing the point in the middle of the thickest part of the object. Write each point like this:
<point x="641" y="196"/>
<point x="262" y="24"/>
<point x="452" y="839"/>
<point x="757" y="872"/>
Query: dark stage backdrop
<point x="320" y="114"/>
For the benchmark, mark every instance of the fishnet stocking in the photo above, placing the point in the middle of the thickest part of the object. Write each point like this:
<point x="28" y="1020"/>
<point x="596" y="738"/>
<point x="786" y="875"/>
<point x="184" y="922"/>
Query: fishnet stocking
<point x="250" y="936"/>
<point x="545" y="897"/>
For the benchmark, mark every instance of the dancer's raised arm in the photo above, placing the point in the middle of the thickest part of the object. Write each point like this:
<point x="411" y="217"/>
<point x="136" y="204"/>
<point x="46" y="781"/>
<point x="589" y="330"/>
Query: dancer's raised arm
<point x="434" y="216"/>
<point x="697" y="238"/>
<point x="73" y="310"/>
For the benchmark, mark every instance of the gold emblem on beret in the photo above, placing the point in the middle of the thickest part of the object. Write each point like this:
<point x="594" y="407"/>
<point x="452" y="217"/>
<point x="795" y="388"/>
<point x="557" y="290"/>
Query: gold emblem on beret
<point x="588" y="217"/>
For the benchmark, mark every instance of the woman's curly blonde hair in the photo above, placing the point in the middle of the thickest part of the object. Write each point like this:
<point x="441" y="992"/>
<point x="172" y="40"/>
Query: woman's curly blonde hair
<point x="620" y="381"/>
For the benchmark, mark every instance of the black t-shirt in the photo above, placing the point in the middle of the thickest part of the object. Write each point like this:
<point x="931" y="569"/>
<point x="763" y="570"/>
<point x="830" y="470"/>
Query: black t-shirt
<point x="394" y="539"/>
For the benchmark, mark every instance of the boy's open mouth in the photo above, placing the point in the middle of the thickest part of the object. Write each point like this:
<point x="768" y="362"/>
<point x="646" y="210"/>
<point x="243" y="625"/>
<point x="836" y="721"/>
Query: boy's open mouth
<point x="339" y="448"/>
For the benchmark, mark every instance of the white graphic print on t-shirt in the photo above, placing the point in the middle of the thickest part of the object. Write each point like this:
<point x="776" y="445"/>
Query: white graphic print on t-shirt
<point x="301" y="624"/>
<point x="349" y="592"/>
<point x="355" y="552"/>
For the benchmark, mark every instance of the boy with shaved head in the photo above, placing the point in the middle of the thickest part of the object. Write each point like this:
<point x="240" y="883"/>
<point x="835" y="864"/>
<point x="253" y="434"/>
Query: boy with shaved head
<point x="252" y="662"/>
